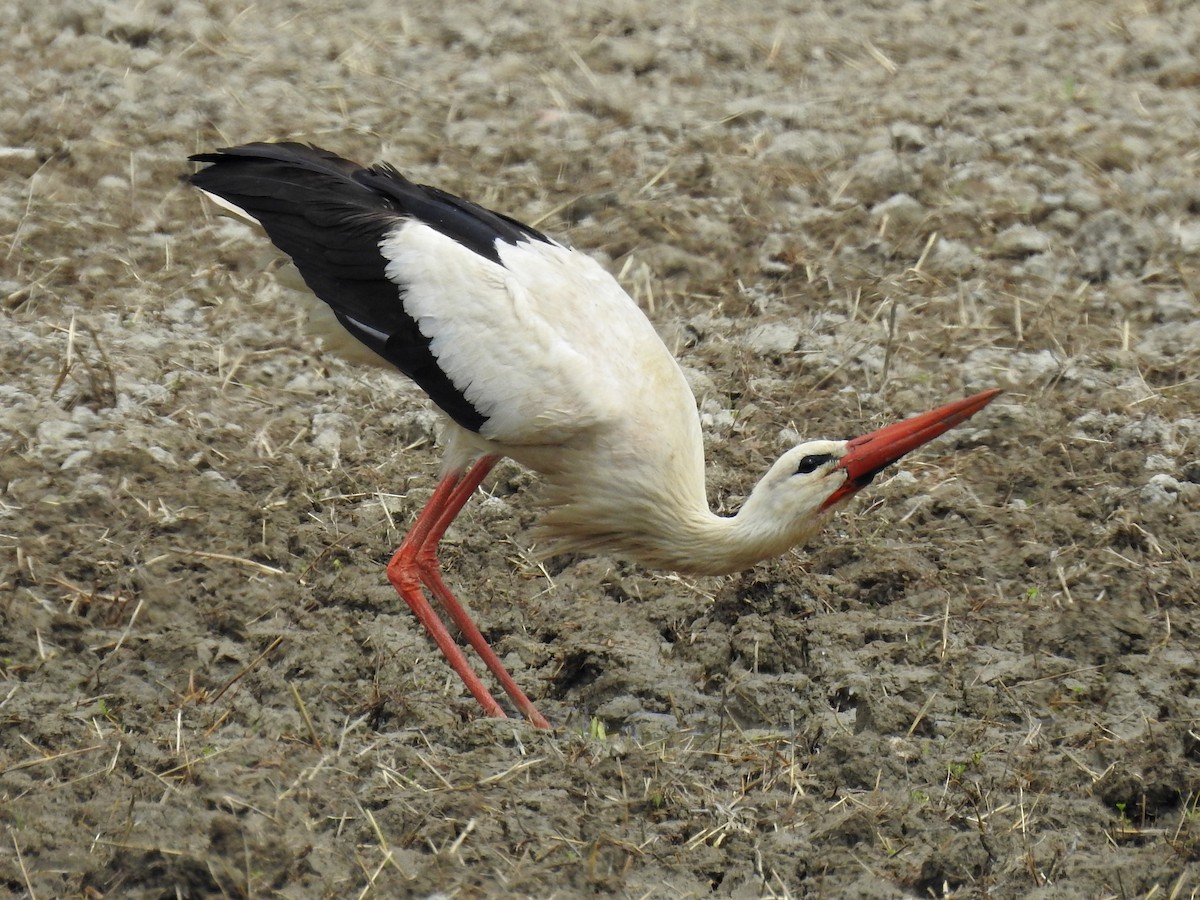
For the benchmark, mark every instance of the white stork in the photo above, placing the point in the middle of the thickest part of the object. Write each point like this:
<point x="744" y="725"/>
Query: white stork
<point x="533" y="351"/>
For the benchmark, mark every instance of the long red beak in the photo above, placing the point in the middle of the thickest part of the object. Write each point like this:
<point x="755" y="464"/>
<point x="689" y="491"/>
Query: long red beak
<point x="866" y="455"/>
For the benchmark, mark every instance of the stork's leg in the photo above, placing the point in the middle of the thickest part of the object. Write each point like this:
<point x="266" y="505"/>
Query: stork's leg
<point x="431" y="576"/>
<point x="416" y="564"/>
<point x="405" y="576"/>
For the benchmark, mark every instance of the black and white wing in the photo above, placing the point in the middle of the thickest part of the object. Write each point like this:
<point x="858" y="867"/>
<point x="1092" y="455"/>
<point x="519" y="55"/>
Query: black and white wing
<point x="511" y="334"/>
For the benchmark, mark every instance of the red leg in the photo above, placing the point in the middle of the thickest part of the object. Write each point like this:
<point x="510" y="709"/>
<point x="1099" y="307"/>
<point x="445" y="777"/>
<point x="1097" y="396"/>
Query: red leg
<point x="416" y="564"/>
<point x="406" y="579"/>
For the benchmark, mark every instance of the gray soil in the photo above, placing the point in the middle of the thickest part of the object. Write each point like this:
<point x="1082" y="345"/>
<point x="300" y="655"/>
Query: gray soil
<point x="982" y="680"/>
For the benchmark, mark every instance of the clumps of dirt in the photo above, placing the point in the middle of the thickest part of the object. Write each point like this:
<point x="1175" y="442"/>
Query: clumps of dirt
<point x="981" y="680"/>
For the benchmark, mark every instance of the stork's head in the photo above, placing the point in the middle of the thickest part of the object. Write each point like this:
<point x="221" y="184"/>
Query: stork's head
<point x="812" y="479"/>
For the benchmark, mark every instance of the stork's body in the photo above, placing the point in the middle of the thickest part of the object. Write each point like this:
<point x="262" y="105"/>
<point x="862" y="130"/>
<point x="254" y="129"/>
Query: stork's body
<point x="533" y="351"/>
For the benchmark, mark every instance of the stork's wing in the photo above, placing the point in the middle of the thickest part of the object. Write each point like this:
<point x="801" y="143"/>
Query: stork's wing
<point x="511" y="334"/>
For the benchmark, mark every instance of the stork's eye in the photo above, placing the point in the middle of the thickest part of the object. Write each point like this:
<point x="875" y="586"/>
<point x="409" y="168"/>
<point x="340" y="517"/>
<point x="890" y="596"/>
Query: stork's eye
<point x="810" y="464"/>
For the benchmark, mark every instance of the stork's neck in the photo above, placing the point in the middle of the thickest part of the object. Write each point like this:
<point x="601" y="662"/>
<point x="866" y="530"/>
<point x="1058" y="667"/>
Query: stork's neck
<point x="679" y="534"/>
<point x="652" y="504"/>
<point x="704" y="543"/>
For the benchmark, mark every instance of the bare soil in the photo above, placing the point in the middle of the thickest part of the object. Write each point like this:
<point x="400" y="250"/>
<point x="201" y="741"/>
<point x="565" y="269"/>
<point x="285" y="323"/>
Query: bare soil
<point x="983" y="681"/>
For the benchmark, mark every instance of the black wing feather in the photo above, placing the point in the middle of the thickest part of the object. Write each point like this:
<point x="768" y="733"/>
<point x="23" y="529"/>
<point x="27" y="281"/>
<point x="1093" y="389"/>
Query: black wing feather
<point x="330" y="215"/>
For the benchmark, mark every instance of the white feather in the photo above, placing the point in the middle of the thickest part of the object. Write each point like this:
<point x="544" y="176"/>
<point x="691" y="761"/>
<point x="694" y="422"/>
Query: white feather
<point x="546" y="345"/>
<point x="229" y="207"/>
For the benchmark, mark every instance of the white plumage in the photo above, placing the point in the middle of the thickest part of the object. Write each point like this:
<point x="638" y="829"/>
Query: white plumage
<point x="540" y="372"/>
<point x="534" y="352"/>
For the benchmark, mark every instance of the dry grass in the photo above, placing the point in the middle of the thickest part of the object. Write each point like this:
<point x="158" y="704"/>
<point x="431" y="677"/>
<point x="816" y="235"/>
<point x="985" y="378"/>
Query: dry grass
<point x="980" y="684"/>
